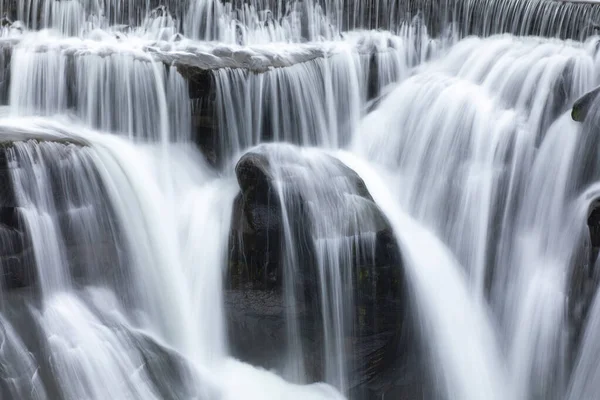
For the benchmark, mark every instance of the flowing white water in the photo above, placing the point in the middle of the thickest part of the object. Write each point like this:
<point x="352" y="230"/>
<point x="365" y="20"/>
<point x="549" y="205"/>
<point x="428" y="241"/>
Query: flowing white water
<point x="257" y="21"/>
<point x="89" y="358"/>
<point x="490" y="171"/>
<point x="20" y="377"/>
<point x="317" y="102"/>
<point x="170" y="284"/>
<point x="111" y="86"/>
<point x="465" y="145"/>
<point x="458" y="329"/>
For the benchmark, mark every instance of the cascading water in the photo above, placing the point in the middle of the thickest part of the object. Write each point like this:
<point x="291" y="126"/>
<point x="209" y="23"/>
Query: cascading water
<point x="414" y="228"/>
<point x="491" y="172"/>
<point x="54" y="77"/>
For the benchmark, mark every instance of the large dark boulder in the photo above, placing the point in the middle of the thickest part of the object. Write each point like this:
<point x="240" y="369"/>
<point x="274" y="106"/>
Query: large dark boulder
<point x="255" y="297"/>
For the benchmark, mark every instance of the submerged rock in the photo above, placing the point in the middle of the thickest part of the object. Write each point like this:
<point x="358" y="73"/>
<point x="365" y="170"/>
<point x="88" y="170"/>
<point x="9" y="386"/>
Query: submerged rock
<point x="256" y="304"/>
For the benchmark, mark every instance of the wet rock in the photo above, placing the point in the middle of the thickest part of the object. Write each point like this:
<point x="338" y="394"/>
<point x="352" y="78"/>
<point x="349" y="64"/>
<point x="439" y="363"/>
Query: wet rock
<point x="18" y="270"/>
<point x="582" y="106"/>
<point x="593" y="223"/>
<point x="253" y="172"/>
<point x="172" y="375"/>
<point x="255" y="245"/>
<point x="256" y="305"/>
<point x="201" y="89"/>
<point x="257" y="328"/>
<point x="257" y="221"/>
<point x="16" y="256"/>
<point x="5" y="63"/>
<point x="584" y="279"/>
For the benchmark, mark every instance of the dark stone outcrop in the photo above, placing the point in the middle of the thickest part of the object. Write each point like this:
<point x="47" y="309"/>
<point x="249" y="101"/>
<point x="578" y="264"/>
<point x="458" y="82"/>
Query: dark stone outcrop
<point x="593" y="223"/>
<point x="582" y="106"/>
<point x="5" y="62"/>
<point x="382" y="337"/>
<point x="256" y="227"/>
<point x="202" y="104"/>
<point x="584" y="279"/>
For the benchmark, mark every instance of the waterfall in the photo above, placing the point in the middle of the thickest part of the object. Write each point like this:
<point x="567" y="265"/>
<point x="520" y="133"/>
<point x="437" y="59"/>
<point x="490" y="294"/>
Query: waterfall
<point x="464" y="341"/>
<point x="60" y="77"/>
<point x="371" y="199"/>
<point x="491" y="171"/>
<point x="20" y="377"/>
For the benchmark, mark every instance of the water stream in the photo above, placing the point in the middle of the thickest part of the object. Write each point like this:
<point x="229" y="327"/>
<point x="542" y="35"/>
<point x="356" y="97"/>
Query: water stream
<point x="205" y="199"/>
